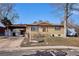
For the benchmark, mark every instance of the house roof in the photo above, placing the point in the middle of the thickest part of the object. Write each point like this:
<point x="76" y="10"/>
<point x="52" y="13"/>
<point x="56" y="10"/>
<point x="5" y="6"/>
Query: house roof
<point x="35" y="24"/>
<point x="17" y="26"/>
<point x="44" y="24"/>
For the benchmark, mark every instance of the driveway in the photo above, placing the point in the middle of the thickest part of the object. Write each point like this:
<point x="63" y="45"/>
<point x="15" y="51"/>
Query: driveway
<point x="11" y="42"/>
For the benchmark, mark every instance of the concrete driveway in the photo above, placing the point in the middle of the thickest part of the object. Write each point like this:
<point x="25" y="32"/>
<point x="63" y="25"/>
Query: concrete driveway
<point x="11" y="42"/>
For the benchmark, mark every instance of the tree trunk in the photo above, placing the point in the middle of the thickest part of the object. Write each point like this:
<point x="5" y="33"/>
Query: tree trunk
<point x="65" y="19"/>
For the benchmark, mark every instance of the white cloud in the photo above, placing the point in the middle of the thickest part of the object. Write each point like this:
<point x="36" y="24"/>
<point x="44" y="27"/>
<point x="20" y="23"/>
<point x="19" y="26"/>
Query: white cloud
<point x="75" y="12"/>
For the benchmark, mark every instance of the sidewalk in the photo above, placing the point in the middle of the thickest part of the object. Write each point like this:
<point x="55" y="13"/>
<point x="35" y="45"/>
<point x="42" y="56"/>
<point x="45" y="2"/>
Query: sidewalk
<point x="39" y="48"/>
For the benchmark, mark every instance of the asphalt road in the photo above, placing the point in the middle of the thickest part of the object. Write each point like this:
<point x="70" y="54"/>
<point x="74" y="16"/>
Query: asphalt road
<point x="40" y="53"/>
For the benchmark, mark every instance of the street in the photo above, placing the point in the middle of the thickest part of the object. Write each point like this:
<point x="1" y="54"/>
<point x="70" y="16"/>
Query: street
<point x="40" y="53"/>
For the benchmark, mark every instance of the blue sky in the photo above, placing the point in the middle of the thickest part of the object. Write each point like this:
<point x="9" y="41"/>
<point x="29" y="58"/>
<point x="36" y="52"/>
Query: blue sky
<point x="30" y="12"/>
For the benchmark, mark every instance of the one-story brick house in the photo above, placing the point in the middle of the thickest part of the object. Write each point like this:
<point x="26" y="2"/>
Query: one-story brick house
<point x="41" y="27"/>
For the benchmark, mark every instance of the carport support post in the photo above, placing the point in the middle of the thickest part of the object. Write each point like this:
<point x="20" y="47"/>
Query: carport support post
<point x="7" y="31"/>
<point x="27" y="36"/>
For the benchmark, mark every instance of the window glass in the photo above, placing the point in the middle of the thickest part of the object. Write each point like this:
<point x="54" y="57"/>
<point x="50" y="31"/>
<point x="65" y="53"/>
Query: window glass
<point x="57" y="28"/>
<point x="34" y="28"/>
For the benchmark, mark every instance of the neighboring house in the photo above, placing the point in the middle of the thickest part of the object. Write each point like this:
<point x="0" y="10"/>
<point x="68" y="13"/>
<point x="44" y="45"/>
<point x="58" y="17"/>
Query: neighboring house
<point x="2" y="31"/>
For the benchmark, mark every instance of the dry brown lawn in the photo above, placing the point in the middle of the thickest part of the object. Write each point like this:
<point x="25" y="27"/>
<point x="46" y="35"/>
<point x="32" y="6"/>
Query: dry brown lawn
<point x="63" y="42"/>
<point x="55" y="41"/>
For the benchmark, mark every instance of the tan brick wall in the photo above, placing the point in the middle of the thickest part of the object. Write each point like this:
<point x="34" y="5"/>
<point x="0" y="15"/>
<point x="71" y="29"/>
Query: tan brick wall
<point x="50" y="31"/>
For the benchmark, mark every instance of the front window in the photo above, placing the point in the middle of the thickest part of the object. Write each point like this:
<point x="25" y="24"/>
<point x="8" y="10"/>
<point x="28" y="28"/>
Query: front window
<point x="57" y="28"/>
<point x="34" y="28"/>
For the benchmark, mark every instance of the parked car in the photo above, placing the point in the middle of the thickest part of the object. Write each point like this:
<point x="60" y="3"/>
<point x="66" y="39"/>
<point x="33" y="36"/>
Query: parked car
<point x="71" y="32"/>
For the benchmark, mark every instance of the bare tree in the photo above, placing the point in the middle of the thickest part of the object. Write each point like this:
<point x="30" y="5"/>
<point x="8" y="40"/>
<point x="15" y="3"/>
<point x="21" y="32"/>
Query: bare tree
<point x="67" y="8"/>
<point x="7" y="11"/>
<point x="7" y="14"/>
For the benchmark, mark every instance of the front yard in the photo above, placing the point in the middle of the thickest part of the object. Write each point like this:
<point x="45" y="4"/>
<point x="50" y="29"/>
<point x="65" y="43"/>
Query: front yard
<point x="54" y="41"/>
